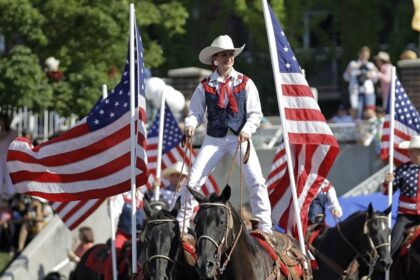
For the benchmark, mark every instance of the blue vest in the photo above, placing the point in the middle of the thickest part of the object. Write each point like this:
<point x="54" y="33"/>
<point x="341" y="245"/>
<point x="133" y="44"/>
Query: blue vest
<point x="222" y="119"/>
<point x="124" y="221"/>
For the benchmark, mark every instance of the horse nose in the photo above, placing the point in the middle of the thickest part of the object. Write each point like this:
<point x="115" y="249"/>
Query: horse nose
<point x="385" y="263"/>
<point x="206" y="269"/>
<point x="160" y="278"/>
<point x="209" y="266"/>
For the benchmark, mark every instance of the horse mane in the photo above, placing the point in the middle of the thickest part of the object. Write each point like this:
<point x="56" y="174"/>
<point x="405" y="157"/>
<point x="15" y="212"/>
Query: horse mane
<point x="161" y="214"/>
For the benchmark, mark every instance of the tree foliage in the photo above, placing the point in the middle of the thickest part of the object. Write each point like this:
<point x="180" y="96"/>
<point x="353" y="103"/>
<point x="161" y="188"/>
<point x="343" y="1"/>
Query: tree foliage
<point x="23" y="82"/>
<point x="90" y="39"/>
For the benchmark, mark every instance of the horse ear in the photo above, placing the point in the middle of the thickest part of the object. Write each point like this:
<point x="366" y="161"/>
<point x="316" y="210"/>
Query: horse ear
<point x="174" y="211"/>
<point x="225" y="195"/>
<point x="387" y="210"/>
<point x="198" y="196"/>
<point x="370" y="209"/>
<point x="146" y="206"/>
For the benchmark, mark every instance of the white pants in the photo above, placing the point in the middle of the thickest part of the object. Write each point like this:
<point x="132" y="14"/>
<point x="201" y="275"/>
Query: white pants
<point x="211" y="152"/>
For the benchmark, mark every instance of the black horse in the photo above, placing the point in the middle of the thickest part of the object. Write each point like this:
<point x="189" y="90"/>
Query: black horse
<point x="162" y="253"/>
<point x="224" y="248"/>
<point x="407" y="265"/>
<point x="363" y="236"/>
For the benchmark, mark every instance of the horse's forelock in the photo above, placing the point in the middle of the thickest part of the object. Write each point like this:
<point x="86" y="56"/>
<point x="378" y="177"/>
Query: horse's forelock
<point x="214" y="197"/>
<point x="161" y="214"/>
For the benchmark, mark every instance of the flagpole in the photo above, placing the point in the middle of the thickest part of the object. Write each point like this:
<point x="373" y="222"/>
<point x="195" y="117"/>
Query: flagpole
<point x="133" y="137"/>
<point x="160" y="145"/>
<point x="111" y="214"/>
<point x="279" y="92"/>
<point x="391" y="149"/>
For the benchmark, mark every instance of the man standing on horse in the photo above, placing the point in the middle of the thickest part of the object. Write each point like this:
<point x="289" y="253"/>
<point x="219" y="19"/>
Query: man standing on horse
<point x="234" y="113"/>
<point x="406" y="178"/>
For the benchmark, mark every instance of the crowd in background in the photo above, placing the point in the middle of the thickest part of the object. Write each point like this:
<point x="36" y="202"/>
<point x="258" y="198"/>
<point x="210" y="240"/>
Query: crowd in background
<point x="21" y="219"/>
<point x="21" y="216"/>
<point x="368" y="89"/>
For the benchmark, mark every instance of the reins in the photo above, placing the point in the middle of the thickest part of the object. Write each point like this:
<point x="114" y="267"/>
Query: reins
<point x="241" y="161"/>
<point x="187" y="145"/>
<point x="372" y="253"/>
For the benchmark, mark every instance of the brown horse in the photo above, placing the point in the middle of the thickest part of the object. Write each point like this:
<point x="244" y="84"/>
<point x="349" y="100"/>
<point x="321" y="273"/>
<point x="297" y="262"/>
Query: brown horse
<point x="225" y="250"/>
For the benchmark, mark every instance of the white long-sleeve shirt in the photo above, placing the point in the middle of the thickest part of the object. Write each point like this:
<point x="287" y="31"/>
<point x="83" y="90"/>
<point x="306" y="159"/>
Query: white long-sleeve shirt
<point x="353" y="71"/>
<point x="332" y="202"/>
<point x="253" y="106"/>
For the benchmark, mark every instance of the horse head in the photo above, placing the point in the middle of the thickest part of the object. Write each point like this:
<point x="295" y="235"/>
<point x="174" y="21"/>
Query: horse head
<point x="217" y="228"/>
<point x="375" y="239"/>
<point x="161" y="242"/>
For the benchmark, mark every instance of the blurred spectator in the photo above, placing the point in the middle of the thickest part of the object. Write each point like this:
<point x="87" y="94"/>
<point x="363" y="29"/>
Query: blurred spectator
<point x="342" y="115"/>
<point x="54" y="276"/>
<point x="7" y="135"/>
<point x="32" y="223"/>
<point x="361" y="74"/>
<point x="175" y="174"/>
<point x="123" y="232"/>
<point x="86" y="242"/>
<point x="408" y="54"/>
<point x="326" y="199"/>
<point x="383" y="62"/>
<point x="371" y="128"/>
<point x="27" y="134"/>
<point x="18" y="203"/>
<point x="6" y="226"/>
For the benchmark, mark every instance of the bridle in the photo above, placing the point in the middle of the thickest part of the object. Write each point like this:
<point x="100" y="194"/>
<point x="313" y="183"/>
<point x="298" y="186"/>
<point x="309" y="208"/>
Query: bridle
<point x="372" y="253"/>
<point x="224" y="241"/>
<point x="145" y="266"/>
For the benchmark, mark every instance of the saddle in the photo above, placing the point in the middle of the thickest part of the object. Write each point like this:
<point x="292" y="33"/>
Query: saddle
<point x="314" y="231"/>
<point x="188" y="243"/>
<point x="97" y="257"/>
<point x="288" y="258"/>
<point x="412" y="234"/>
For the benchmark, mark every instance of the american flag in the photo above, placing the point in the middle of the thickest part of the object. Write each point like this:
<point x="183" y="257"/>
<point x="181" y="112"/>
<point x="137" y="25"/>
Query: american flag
<point x="92" y="159"/>
<point x="73" y="213"/>
<point x="172" y="151"/>
<point x="312" y="143"/>
<point x="407" y="124"/>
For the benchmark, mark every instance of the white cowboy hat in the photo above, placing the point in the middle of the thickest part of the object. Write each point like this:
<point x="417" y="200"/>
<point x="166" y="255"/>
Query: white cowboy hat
<point x="414" y="143"/>
<point x="221" y="43"/>
<point x="384" y="56"/>
<point x="175" y="168"/>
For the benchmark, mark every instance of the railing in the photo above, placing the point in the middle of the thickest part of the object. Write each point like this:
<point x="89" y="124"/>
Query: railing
<point x="41" y="126"/>
<point x="268" y="137"/>
<point x="370" y="185"/>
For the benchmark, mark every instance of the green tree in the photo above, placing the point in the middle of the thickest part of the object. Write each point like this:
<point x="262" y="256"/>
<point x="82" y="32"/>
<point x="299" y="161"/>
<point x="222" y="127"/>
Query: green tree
<point x="23" y="82"/>
<point x="90" y="39"/>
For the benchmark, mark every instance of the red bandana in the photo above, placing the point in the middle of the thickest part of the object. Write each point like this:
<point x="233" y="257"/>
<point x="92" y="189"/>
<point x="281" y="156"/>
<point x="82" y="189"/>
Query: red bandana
<point x="224" y="89"/>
